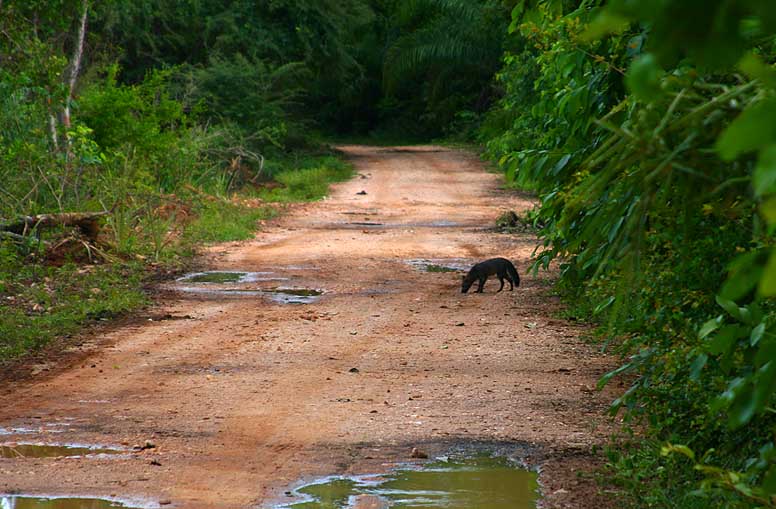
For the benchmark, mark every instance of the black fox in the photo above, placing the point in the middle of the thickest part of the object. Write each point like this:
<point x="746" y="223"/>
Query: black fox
<point x="501" y="267"/>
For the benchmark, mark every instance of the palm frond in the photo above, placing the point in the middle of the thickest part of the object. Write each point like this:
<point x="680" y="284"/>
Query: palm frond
<point x="444" y="41"/>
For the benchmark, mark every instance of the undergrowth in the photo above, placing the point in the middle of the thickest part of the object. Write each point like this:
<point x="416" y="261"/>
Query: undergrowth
<point x="46" y="295"/>
<point x="646" y="130"/>
<point x="308" y="181"/>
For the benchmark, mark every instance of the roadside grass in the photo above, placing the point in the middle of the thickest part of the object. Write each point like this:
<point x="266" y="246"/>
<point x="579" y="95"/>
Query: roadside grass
<point x="40" y="302"/>
<point x="224" y="221"/>
<point x="309" y="181"/>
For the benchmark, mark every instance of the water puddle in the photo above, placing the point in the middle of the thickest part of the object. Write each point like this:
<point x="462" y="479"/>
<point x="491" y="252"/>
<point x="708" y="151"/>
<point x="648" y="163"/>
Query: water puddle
<point x="278" y="295"/>
<point x="398" y="226"/>
<point x="365" y="223"/>
<point x="474" y="483"/>
<point x="293" y="295"/>
<point x="440" y="224"/>
<point x="32" y="502"/>
<point x="441" y="265"/>
<point x="27" y="450"/>
<point x="242" y="284"/>
<point x="30" y="429"/>
<point x="228" y="276"/>
<point x="18" y="431"/>
<point x="440" y="268"/>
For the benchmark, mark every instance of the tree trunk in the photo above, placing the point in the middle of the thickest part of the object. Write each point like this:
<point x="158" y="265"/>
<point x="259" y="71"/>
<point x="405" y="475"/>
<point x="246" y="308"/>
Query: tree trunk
<point x="75" y="66"/>
<point x="53" y="131"/>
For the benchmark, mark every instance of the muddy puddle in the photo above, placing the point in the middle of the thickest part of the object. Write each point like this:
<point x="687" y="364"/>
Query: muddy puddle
<point x="33" y="429"/>
<point x="33" y="502"/>
<point x="293" y="295"/>
<point x="397" y="226"/>
<point x="224" y="284"/>
<point x="441" y="265"/>
<point x="481" y="482"/>
<point x="27" y="450"/>
<point x="277" y="295"/>
<point x="228" y="276"/>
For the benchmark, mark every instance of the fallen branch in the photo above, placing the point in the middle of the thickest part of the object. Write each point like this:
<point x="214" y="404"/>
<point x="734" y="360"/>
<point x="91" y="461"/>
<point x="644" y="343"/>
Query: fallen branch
<point x="86" y="222"/>
<point x="13" y="236"/>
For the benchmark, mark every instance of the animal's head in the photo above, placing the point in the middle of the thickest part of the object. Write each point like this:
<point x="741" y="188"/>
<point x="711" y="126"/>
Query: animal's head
<point x="467" y="282"/>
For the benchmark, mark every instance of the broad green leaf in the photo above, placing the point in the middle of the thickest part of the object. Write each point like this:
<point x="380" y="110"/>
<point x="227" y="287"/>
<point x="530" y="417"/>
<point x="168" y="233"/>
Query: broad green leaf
<point x="677" y="448"/>
<point x="768" y="280"/>
<point x="753" y="130"/>
<point x="561" y="164"/>
<point x="726" y="398"/>
<point x="730" y="306"/>
<point x="605" y="23"/>
<point x="751" y="397"/>
<point x="644" y="77"/>
<point x="768" y="210"/>
<point x="743" y="488"/>
<point x="754" y="67"/>
<point x="757" y="334"/>
<point x="744" y="275"/>
<point x="764" y="179"/>
<point x="608" y="376"/>
<point x="723" y="341"/>
<point x="769" y="481"/>
<point x="605" y="304"/>
<point x="517" y="16"/>
<point x="766" y="351"/>
<point x="710" y="326"/>
<point x="615" y="229"/>
<point x="697" y="366"/>
<point x="743" y="408"/>
<point x="763" y="385"/>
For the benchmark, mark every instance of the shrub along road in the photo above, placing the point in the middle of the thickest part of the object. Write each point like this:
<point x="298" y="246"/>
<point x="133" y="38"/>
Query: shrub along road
<point x="242" y="397"/>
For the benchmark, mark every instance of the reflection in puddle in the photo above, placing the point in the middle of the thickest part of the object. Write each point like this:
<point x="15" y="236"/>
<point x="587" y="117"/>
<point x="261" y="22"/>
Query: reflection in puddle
<point x="475" y="483"/>
<point x="441" y="265"/>
<point x="18" y="431"/>
<point x="30" y="502"/>
<point x="52" y="451"/>
<point x="52" y="427"/>
<point x="278" y="295"/>
<point x="293" y="295"/>
<point x="228" y="276"/>
<point x="440" y="268"/>
<point x="355" y="225"/>
<point x="238" y="284"/>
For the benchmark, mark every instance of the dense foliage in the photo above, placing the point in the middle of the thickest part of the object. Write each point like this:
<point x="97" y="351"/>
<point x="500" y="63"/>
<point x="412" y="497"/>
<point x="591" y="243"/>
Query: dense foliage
<point x="647" y="129"/>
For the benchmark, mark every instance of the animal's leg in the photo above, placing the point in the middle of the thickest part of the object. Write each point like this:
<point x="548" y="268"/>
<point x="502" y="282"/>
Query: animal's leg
<point x="482" y="284"/>
<point x="501" y="280"/>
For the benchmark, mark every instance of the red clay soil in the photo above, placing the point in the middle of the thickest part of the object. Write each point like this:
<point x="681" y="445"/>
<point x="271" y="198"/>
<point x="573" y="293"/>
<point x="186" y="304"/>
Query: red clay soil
<point x="243" y="397"/>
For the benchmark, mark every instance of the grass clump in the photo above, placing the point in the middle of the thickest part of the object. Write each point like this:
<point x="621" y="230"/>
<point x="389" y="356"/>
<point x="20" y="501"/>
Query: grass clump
<point x="309" y="181"/>
<point x="223" y="221"/>
<point x="39" y="303"/>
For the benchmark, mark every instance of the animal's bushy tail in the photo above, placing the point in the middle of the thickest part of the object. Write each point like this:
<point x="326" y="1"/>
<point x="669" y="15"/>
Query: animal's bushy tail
<point x="512" y="271"/>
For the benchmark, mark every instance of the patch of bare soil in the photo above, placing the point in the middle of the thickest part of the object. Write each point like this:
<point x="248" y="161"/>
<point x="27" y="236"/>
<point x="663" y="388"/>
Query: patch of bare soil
<point x="242" y="396"/>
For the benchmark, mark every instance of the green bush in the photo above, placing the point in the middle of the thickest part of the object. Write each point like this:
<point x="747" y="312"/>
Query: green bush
<point x="651" y="156"/>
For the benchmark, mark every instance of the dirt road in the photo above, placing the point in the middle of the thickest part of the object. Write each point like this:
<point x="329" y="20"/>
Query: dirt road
<point x="242" y="397"/>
